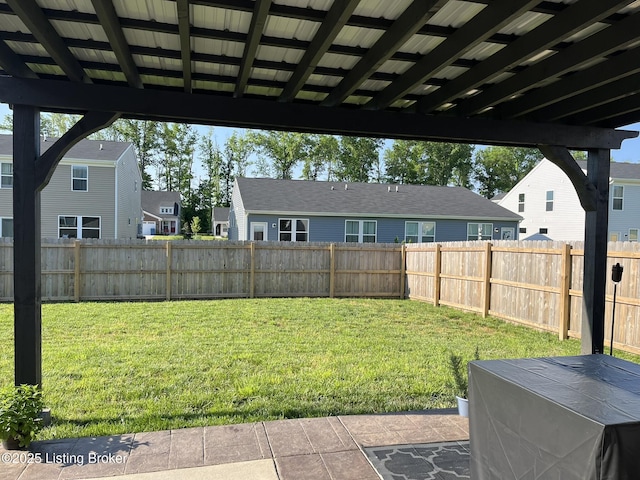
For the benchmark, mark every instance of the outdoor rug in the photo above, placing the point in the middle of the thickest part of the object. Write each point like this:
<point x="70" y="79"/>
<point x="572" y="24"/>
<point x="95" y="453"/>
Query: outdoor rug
<point x="431" y="461"/>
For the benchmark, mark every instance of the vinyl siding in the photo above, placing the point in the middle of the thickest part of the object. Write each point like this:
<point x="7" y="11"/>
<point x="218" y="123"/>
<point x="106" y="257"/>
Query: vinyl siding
<point x="332" y="229"/>
<point x="238" y="225"/>
<point x="129" y="186"/>
<point x="99" y="201"/>
<point x="565" y="222"/>
<point x="620" y="221"/>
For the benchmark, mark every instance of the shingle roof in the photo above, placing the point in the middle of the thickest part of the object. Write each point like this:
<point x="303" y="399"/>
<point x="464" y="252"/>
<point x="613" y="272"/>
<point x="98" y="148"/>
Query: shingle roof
<point x="83" y="150"/>
<point x="221" y="214"/>
<point x="153" y="200"/>
<point x="374" y="199"/>
<point x="619" y="170"/>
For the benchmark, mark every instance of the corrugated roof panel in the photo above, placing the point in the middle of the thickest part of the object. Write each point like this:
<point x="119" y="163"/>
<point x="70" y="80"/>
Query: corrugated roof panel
<point x="631" y="8"/>
<point x="358" y="37"/>
<point x="582" y="34"/>
<point x="31" y="49"/>
<point x="12" y="23"/>
<point x="144" y="38"/>
<point x="402" y="103"/>
<point x="216" y="69"/>
<point x="290" y="28"/>
<point x="483" y="51"/>
<point x="311" y="96"/>
<point x="263" y="91"/>
<point x="423" y="89"/>
<point x="525" y="23"/>
<point x="421" y="44"/>
<point x="83" y="6"/>
<point x="323" y="81"/>
<point x="455" y="14"/>
<point x="382" y="8"/>
<point x="277" y="54"/>
<point x="155" y="10"/>
<point x="395" y="66"/>
<point x="162" y="81"/>
<point x="47" y="69"/>
<point x="451" y="72"/>
<point x="373" y="85"/>
<point x="538" y="57"/>
<point x="106" y="75"/>
<point x="312" y="4"/>
<point x="220" y="19"/>
<point x="275" y="75"/>
<point x="213" y="86"/>
<point x="357" y="100"/>
<point x="334" y="60"/>
<point x="216" y="47"/>
<point x="146" y="61"/>
<point x="79" y="30"/>
<point x="91" y="55"/>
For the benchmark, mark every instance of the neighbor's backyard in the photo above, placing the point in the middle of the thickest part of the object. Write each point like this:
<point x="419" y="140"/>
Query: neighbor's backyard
<point x="113" y="368"/>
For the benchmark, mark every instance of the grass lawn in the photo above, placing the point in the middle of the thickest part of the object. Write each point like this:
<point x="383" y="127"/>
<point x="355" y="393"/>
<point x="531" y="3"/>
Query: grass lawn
<point x="112" y="368"/>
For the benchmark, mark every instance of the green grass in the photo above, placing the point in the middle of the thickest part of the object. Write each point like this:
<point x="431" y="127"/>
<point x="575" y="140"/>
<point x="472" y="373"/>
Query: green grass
<point x="112" y="368"/>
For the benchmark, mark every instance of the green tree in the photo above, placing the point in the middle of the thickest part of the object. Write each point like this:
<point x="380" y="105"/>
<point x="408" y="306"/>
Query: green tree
<point x="321" y="157"/>
<point x="356" y="158"/>
<point x="405" y="162"/>
<point x="195" y="225"/>
<point x="234" y="162"/>
<point x="175" y="166"/>
<point x="279" y="152"/>
<point x="498" y="169"/>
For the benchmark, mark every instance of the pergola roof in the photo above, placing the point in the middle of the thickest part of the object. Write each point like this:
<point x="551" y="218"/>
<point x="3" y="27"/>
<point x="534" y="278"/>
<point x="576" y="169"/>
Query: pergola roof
<point x="565" y="62"/>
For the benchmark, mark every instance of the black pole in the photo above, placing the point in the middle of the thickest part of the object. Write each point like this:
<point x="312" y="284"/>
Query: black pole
<point x="616" y="276"/>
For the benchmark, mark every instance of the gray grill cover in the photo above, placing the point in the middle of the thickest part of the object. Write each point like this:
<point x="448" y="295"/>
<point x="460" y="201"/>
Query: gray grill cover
<point x="559" y="418"/>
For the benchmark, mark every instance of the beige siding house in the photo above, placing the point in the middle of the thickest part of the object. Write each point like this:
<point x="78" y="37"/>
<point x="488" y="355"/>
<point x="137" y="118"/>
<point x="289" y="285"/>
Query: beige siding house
<point x="94" y="191"/>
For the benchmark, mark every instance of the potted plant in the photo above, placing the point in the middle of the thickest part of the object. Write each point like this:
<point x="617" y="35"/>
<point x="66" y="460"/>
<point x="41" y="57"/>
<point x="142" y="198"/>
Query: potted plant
<point x="458" y="368"/>
<point x="20" y="412"/>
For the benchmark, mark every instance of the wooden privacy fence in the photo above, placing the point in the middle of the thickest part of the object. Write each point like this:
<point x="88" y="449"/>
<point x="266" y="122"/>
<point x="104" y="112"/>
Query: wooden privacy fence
<point x="139" y="270"/>
<point x="538" y="284"/>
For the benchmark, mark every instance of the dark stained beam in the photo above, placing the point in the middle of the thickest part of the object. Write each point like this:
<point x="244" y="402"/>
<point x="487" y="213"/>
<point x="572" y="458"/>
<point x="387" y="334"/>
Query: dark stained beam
<point x="111" y="25"/>
<point x="64" y="96"/>
<point x="12" y="64"/>
<point x="398" y="33"/>
<point x="336" y="18"/>
<point x="32" y="16"/>
<point x="491" y="19"/>
<point x="615" y="68"/>
<point x="258" y="21"/>
<point x="584" y="108"/>
<point x="600" y="44"/>
<point x="627" y="102"/>
<point x="561" y="26"/>
<point x="184" y="27"/>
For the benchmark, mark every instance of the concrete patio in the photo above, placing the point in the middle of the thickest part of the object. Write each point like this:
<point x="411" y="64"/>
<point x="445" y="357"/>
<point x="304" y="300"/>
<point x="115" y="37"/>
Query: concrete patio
<point x="302" y="449"/>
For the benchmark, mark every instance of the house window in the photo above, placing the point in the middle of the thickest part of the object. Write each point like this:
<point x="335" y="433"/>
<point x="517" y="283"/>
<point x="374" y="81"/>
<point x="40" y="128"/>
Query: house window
<point x="78" y="227"/>
<point x="6" y="227"/>
<point x="521" y="202"/>
<point x="6" y="175"/>
<point x="79" y="178"/>
<point x="618" y="196"/>
<point x="479" y="231"/>
<point x="543" y="231"/>
<point x="293" y="229"/>
<point x="419" y="232"/>
<point x="633" y="234"/>
<point x="523" y="230"/>
<point x="166" y="210"/>
<point x="549" y="201"/>
<point x="360" y="231"/>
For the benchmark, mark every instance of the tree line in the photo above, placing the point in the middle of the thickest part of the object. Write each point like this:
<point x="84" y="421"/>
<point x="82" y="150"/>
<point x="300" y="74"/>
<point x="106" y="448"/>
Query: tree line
<point x="176" y="157"/>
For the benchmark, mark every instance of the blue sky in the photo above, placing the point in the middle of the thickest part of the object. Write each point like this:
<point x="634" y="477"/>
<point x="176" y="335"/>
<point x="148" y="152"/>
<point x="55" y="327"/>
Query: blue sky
<point x="630" y="151"/>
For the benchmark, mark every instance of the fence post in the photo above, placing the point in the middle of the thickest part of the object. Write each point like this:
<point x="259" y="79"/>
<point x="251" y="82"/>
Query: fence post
<point x="169" y="257"/>
<point x="565" y="297"/>
<point x="403" y="269"/>
<point x="252" y="275"/>
<point x="436" y="275"/>
<point x="332" y="270"/>
<point x="76" y="279"/>
<point x="486" y="294"/>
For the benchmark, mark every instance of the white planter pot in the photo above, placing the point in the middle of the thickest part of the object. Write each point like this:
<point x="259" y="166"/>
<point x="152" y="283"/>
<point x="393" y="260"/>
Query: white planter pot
<point x="463" y="406"/>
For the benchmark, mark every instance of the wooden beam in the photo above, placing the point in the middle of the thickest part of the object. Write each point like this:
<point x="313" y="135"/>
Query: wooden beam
<point x="258" y="21"/>
<point x="184" y="28"/>
<point x="13" y="64"/>
<point x="26" y="247"/>
<point x="64" y="96"/>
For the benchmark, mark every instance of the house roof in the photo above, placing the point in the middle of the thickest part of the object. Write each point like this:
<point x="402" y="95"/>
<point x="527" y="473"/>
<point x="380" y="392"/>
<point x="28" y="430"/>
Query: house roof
<point x="83" y="150"/>
<point x="220" y="214"/>
<point x="619" y="170"/>
<point x="370" y="199"/>
<point x="153" y="200"/>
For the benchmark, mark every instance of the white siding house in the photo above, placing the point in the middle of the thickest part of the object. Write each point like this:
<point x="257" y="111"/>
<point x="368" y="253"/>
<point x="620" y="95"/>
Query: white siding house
<point x="94" y="191"/>
<point x="549" y="205"/>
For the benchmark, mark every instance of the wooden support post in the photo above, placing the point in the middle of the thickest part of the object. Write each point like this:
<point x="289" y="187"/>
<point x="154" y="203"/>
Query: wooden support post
<point x="436" y="275"/>
<point x="332" y="270"/>
<point x="76" y="271"/>
<point x="595" y="254"/>
<point x="486" y="290"/>
<point x="168" y="275"/>
<point x="403" y="269"/>
<point x="252" y="276"/>
<point x="565" y="297"/>
<point x="26" y="247"/>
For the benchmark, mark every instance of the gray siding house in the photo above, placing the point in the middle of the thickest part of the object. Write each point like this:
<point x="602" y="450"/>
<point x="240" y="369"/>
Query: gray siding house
<point x="161" y="213"/>
<point x="94" y="191"/>
<point x="299" y="211"/>
<point x="220" y="221"/>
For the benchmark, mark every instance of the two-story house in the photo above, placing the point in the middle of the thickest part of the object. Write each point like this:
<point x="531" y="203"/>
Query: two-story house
<point x="549" y="205"/>
<point x="94" y="191"/>
<point x="161" y="213"/>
